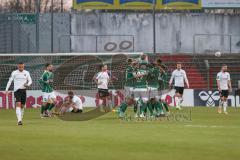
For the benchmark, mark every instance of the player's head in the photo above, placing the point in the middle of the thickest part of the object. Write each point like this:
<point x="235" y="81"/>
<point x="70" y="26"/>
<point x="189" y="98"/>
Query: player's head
<point x="49" y="67"/>
<point x="20" y="66"/>
<point x="158" y="61"/>
<point x="130" y="61"/>
<point x="70" y="94"/>
<point x="103" y="67"/>
<point x="143" y="57"/>
<point x="224" y="68"/>
<point x="179" y="65"/>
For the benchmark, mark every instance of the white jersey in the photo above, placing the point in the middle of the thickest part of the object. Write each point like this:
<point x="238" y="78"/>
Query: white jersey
<point x="103" y="79"/>
<point x="223" y="78"/>
<point x="20" y="80"/>
<point x="77" y="102"/>
<point x="179" y="76"/>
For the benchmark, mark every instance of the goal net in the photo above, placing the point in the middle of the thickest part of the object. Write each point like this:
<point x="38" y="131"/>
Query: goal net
<point x="72" y="71"/>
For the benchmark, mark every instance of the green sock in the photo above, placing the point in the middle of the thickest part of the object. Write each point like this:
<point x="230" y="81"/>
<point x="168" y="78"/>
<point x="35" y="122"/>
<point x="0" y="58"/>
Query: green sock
<point x="143" y="108"/>
<point x="43" y="108"/>
<point x="165" y="106"/>
<point x="51" y="106"/>
<point x="135" y="107"/>
<point x="150" y="108"/>
<point x="159" y="108"/>
<point x="123" y="107"/>
<point x="47" y="106"/>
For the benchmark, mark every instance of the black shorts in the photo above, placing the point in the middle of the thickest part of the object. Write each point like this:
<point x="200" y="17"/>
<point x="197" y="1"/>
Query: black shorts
<point x="103" y="92"/>
<point x="224" y="93"/>
<point x="77" y="111"/>
<point x="179" y="90"/>
<point x="20" y="96"/>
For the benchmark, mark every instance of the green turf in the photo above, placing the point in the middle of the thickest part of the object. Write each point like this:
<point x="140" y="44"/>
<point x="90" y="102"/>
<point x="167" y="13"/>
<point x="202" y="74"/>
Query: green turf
<point x="208" y="136"/>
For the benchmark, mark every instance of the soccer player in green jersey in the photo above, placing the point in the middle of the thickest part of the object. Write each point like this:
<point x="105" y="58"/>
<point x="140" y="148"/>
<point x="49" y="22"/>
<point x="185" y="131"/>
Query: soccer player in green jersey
<point x="48" y="96"/>
<point x="140" y="85"/>
<point x="129" y="82"/>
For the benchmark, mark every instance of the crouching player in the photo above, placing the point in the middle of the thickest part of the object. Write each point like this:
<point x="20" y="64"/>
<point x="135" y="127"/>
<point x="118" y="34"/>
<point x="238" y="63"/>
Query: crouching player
<point x="72" y="104"/>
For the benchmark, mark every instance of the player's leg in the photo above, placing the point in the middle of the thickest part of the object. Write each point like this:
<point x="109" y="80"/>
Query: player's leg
<point x="143" y="106"/>
<point x="221" y="101"/>
<point x="23" y="101"/>
<point x="44" y="104"/>
<point x="52" y="101"/>
<point x="17" y="96"/>
<point x="225" y="103"/>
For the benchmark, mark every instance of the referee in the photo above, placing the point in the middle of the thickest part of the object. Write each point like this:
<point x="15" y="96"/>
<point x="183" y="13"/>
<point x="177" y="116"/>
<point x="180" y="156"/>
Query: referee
<point x="21" y="79"/>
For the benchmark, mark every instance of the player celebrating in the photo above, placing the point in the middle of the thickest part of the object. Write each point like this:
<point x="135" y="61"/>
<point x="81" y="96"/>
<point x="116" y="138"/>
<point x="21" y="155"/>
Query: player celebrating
<point x="179" y="76"/>
<point x="21" y="79"/>
<point x="49" y="97"/>
<point x="102" y="79"/>
<point x="129" y="83"/>
<point x="224" y="87"/>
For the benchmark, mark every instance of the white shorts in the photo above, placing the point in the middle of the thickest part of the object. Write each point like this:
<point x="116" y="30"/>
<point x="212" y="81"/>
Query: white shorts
<point x="153" y="92"/>
<point x="141" y="93"/>
<point x="48" y="96"/>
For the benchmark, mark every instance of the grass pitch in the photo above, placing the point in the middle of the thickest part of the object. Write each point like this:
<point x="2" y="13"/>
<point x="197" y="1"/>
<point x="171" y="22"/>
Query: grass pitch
<point x="208" y="136"/>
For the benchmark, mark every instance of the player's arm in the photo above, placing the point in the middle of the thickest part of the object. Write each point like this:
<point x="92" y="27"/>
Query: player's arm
<point x="186" y="79"/>
<point x="9" y="82"/>
<point x="171" y="79"/>
<point x="218" y="82"/>
<point x="96" y="77"/>
<point x="229" y="84"/>
<point x="29" y="80"/>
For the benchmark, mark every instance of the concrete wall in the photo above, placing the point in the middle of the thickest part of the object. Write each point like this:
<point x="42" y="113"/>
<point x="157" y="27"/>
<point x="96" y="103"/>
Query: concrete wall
<point x="61" y="26"/>
<point x="133" y="31"/>
<point x="175" y="32"/>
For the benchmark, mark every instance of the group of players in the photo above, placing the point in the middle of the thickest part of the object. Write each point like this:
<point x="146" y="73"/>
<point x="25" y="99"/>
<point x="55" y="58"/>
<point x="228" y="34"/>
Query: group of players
<point x="143" y="86"/>
<point x="146" y="85"/>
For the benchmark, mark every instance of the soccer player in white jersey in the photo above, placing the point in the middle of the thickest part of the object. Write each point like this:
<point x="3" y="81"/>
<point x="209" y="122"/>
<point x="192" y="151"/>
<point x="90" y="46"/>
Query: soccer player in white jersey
<point x="72" y="104"/>
<point x="21" y="79"/>
<point x="102" y="79"/>
<point x="224" y="87"/>
<point x="179" y="76"/>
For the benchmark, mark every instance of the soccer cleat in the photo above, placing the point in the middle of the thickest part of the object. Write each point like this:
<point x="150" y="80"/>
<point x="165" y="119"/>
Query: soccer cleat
<point x="20" y="123"/>
<point x="43" y="116"/>
<point x="219" y="110"/>
<point x="142" y="115"/>
<point x="136" y="115"/>
<point x="178" y="108"/>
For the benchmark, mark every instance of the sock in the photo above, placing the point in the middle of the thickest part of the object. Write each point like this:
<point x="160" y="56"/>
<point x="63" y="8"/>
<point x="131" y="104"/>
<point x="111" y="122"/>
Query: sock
<point x="22" y="112"/>
<point x="150" y="108"/>
<point x="220" y="103"/>
<point x="225" y="106"/>
<point x="177" y="101"/>
<point x="51" y="106"/>
<point x="180" y="100"/>
<point x="142" y="108"/>
<point x="19" y="114"/>
<point x="43" y="108"/>
<point x="123" y="107"/>
<point x="135" y="108"/>
<point x="165" y="106"/>
<point x="159" y="108"/>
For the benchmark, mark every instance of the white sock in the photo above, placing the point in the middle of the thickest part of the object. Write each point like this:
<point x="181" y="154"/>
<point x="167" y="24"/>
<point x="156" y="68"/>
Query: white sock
<point x="22" y="112"/>
<point x="220" y="103"/>
<point x="225" y="106"/>
<point x="19" y="114"/>
<point x="177" y="101"/>
<point x="180" y="100"/>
